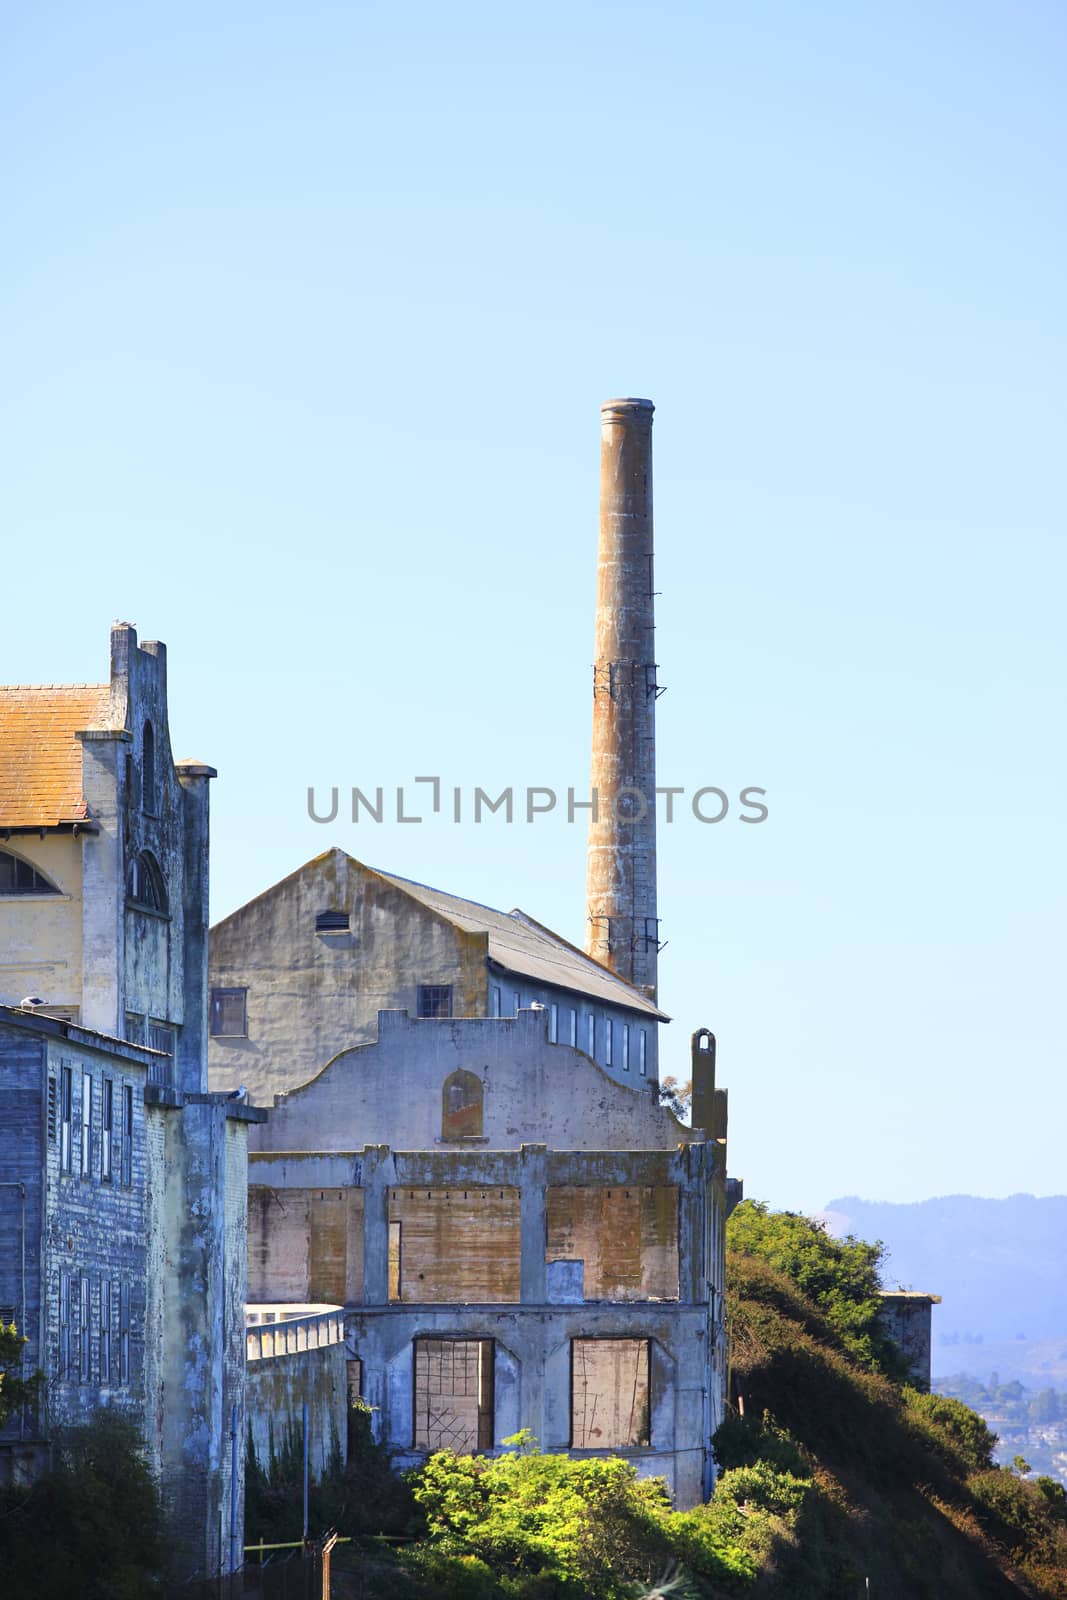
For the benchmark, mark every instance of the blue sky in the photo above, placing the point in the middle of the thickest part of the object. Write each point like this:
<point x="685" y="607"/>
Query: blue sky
<point x="307" y="316"/>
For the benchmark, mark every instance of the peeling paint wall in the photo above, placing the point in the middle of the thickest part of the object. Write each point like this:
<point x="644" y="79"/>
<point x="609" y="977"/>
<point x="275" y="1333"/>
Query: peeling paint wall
<point x="277" y="1389"/>
<point x="305" y="1244"/>
<point x="626" y="1238"/>
<point x="458" y="1245"/>
<point x="531" y="1090"/>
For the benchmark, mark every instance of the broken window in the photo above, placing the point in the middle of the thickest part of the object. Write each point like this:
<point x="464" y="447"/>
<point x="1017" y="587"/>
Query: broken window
<point x="610" y="1394"/>
<point x="461" y="1106"/>
<point x="435" y="1000"/>
<point x="454" y="1395"/>
<point x="66" y="1096"/>
<point x="332" y="922"/>
<point x="229" y="1013"/>
<point x="145" y="885"/>
<point x="626" y="1238"/>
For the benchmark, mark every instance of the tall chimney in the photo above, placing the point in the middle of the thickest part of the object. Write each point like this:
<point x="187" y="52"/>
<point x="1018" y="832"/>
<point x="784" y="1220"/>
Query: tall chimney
<point x="622" y="926"/>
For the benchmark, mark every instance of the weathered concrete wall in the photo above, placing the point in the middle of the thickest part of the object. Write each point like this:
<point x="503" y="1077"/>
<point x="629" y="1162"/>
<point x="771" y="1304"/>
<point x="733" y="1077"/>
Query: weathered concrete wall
<point x="311" y="994"/>
<point x="277" y="1389"/>
<point x="532" y="1090"/>
<point x="906" y="1316"/>
<point x="533" y="1387"/>
<point x="305" y="1244"/>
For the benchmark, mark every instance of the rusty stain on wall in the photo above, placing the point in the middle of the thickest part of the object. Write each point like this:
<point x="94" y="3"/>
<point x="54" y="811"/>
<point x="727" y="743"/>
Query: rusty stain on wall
<point x="627" y="1238"/>
<point x="458" y="1245"/>
<point x="305" y="1244"/>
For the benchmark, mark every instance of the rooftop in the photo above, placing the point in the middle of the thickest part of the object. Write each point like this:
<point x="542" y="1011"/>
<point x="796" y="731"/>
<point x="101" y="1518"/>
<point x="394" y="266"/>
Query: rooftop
<point x="40" y="757"/>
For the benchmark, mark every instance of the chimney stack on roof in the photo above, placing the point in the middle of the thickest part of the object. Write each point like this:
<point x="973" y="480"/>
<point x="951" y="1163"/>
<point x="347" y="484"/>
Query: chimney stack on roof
<point x="622" y="925"/>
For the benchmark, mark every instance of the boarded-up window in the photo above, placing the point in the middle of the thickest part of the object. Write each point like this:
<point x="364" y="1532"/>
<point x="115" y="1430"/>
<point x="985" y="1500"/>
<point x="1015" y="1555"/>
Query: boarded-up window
<point x="627" y="1239"/>
<point x="609" y="1394"/>
<point x="459" y="1245"/>
<point x="229" y="1013"/>
<point x="454" y="1395"/>
<point x="305" y="1244"/>
<point x="395" y="1247"/>
<point x="461" y="1106"/>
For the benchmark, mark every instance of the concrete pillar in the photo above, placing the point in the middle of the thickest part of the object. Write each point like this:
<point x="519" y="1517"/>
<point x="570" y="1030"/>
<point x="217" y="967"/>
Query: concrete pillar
<point x="622" y="924"/>
<point x="377" y="1176"/>
<point x="533" y="1223"/>
<point x="191" y="1066"/>
<point x="692" y="1210"/>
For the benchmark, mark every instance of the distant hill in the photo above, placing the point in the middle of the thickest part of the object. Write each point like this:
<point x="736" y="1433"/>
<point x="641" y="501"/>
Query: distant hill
<point x="1000" y="1266"/>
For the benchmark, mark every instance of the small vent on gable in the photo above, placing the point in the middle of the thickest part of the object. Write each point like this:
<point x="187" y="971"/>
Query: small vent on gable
<point x="332" y="922"/>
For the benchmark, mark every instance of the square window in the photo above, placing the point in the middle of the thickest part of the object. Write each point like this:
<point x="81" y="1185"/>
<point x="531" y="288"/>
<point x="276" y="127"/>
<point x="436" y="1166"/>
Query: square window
<point x="435" y="1000"/>
<point x="229" y="1013"/>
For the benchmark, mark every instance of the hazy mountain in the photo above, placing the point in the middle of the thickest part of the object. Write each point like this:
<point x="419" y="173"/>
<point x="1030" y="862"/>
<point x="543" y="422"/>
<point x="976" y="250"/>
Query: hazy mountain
<point x="1000" y="1266"/>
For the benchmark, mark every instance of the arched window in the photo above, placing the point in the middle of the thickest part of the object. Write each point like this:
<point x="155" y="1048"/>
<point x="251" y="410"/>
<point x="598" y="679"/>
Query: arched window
<point x="148" y="769"/>
<point x="461" y="1106"/>
<point x="145" y="884"/>
<point x="21" y="877"/>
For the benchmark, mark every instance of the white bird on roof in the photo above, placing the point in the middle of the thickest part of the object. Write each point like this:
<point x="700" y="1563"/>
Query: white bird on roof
<point x="240" y="1093"/>
<point x="31" y="1002"/>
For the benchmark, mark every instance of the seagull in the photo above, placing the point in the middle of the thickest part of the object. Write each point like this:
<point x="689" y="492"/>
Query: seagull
<point x="31" y="1002"/>
<point x="240" y="1093"/>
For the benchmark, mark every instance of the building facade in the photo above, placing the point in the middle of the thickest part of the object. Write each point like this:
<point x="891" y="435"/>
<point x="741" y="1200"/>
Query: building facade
<point x="123" y="1181"/>
<point x="301" y="972"/>
<point x="518" y="1241"/>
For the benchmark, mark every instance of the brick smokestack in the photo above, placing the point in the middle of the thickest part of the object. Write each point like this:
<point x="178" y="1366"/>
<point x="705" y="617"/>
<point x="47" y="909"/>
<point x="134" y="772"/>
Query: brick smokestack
<point x="622" y="926"/>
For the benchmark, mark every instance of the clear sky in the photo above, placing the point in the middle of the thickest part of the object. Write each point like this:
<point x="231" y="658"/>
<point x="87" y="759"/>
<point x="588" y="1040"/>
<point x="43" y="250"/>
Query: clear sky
<point x="307" y="315"/>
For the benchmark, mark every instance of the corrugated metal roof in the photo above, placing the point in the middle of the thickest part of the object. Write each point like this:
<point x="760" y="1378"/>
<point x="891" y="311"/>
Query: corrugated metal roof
<point x="523" y="946"/>
<point x="40" y="759"/>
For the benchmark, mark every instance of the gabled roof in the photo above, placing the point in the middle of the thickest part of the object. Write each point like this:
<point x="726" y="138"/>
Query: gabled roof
<point x="40" y="759"/>
<point x="520" y="945"/>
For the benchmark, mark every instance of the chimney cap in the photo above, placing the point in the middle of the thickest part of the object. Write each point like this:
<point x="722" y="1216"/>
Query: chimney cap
<point x="629" y="403"/>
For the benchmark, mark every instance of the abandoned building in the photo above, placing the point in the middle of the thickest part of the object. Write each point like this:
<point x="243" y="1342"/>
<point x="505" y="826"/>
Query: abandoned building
<point x="302" y="971"/>
<point x="466" y="1150"/>
<point x="518" y="1241"/>
<point x="123" y="1182"/>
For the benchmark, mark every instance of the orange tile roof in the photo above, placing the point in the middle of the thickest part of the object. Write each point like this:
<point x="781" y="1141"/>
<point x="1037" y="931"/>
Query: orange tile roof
<point x="40" y="759"/>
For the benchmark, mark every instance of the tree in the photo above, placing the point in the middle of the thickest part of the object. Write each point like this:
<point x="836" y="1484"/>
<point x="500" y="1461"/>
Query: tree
<point x="15" y="1390"/>
<point x="841" y="1276"/>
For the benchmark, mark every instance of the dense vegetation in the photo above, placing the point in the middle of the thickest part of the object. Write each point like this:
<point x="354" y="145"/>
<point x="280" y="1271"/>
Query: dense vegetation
<point x="90" y="1528"/>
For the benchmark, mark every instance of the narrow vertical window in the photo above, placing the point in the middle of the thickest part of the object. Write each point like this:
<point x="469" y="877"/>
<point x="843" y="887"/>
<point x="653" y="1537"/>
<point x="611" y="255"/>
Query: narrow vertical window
<point x="553" y="1024"/>
<point x="394" y="1261"/>
<point x="608" y="1030"/>
<point x="642" y="1058"/>
<point x="494" y="1000"/>
<point x="105" y="1331"/>
<point x="574" y="1026"/>
<point x="127" y="1133"/>
<point x="52" y="1109"/>
<point x="107" y="1128"/>
<point x="518" y="1004"/>
<point x="64" y="1324"/>
<point x="84" y="1331"/>
<point x="124" y="1333"/>
<point x="87" y="1125"/>
<point x="66" y="1096"/>
<point x="590" y="1035"/>
<point x="624" y="1046"/>
<point x="148" y="770"/>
